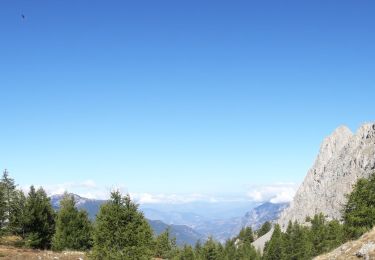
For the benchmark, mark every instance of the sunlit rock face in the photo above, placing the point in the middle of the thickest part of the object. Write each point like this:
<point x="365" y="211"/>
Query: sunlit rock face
<point x="343" y="158"/>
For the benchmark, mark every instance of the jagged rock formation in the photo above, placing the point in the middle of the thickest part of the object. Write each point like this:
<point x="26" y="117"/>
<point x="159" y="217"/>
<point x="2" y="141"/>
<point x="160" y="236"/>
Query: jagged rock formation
<point x="343" y="158"/>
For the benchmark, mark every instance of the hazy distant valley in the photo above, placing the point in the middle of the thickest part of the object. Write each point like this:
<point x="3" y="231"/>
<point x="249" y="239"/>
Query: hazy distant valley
<point x="190" y="222"/>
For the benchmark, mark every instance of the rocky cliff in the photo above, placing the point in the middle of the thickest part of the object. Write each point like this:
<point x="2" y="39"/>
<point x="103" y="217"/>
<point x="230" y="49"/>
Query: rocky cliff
<point x="343" y="158"/>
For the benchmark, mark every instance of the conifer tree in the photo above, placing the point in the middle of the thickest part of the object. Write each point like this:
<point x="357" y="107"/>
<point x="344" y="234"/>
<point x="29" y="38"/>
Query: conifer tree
<point x="246" y="251"/>
<point x="8" y="191"/>
<point x="121" y="231"/>
<point x="198" y="250"/>
<point x="359" y="212"/>
<point x="274" y="248"/>
<point x="318" y="234"/>
<point x="3" y="207"/>
<point x="39" y="223"/>
<point x="264" y="229"/>
<point x="230" y="250"/>
<point x="220" y="251"/>
<point x="9" y="188"/>
<point x="297" y="244"/>
<point x="165" y="246"/>
<point x="18" y="210"/>
<point x="209" y="250"/>
<point x="186" y="253"/>
<point x="73" y="227"/>
<point x="246" y="235"/>
<point x="335" y="235"/>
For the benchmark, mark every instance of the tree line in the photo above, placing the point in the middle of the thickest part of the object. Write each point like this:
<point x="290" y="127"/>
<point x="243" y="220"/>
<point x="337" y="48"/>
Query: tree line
<point x="121" y="231"/>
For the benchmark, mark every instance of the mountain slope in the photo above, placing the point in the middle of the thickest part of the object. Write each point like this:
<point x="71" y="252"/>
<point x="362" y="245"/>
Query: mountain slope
<point x="92" y="206"/>
<point x="182" y="233"/>
<point x="222" y="229"/>
<point x="364" y="247"/>
<point x="343" y="158"/>
<point x="265" y="212"/>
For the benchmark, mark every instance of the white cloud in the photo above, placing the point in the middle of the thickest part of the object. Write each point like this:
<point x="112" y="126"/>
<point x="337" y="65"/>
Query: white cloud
<point x="87" y="188"/>
<point x="275" y="193"/>
<point x="149" y="198"/>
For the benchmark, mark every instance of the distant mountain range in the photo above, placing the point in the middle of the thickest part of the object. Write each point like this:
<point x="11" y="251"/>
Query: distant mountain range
<point x="190" y="227"/>
<point x="222" y="229"/>
<point x="183" y="234"/>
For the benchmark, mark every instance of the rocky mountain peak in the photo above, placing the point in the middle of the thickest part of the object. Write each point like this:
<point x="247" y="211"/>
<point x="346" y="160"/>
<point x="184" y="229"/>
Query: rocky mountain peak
<point x="333" y="144"/>
<point x="366" y="131"/>
<point x="343" y="158"/>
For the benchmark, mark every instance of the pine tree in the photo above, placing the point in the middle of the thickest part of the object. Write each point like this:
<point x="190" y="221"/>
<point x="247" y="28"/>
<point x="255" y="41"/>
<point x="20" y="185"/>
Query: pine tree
<point x="8" y="191"/>
<point x="186" y="253"/>
<point x="165" y="246"/>
<point x="18" y="209"/>
<point x="220" y="251"/>
<point x="209" y="250"/>
<point x="9" y="188"/>
<point x="318" y="234"/>
<point x="230" y="250"/>
<point x="73" y="227"/>
<point x="274" y="248"/>
<point x="297" y="244"/>
<point x="246" y="235"/>
<point x="359" y="212"/>
<point x="198" y="250"/>
<point x="39" y="223"/>
<point x="3" y="208"/>
<point x="121" y="231"/>
<point x="264" y="229"/>
<point x="335" y="235"/>
<point x="246" y="251"/>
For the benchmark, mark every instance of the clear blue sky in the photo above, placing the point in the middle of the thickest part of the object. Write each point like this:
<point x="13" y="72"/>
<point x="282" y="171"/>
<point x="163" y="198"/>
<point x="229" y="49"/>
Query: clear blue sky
<point x="179" y="96"/>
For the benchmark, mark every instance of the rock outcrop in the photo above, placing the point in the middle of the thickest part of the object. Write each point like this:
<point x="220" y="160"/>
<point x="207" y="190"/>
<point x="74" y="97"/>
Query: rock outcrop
<point x="344" y="157"/>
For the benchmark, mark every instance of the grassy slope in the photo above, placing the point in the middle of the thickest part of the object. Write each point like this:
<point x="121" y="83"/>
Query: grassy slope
<point x="349" y="250"/>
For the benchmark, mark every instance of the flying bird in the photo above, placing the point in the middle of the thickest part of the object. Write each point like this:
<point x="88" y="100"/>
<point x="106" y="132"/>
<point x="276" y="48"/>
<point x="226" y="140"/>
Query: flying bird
<point x="23" y="16"/>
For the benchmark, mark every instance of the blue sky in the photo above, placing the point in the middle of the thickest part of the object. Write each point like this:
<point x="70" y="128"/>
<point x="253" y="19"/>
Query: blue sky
<point x="179" y="97"/>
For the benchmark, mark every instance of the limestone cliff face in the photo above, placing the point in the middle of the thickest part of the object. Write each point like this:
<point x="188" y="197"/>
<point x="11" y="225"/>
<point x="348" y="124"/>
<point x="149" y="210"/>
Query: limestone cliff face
<point x="343" y="158"/>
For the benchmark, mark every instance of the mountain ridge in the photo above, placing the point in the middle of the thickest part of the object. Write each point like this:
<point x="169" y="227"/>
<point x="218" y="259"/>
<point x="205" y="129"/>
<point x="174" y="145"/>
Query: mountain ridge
<point x="343" y="158"/>
<point x="189" y="227"/>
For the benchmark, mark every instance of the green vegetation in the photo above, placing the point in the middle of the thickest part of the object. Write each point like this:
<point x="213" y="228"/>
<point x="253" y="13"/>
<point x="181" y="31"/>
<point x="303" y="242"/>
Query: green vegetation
<point x="264" y="229"/>
<point x="165" y="246"/>
<point x="359" y="212"/>
<point x="302" y="242"/>
<point x="246" y="235"/>
<point x="73" y="228"/>
<point x="39" y="219"/>
<point x="122" y="232"/>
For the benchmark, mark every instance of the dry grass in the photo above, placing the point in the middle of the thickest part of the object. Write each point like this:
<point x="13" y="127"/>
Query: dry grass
<point x="10" y="252"/>
<point x="349" y="250"/>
